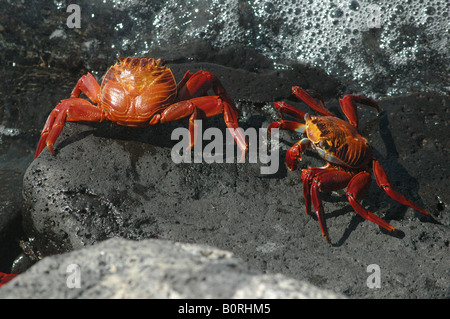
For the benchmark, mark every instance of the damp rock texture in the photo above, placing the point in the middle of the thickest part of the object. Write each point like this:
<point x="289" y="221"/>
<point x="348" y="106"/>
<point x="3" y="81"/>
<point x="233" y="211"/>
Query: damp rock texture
<point x="119" y="268"/>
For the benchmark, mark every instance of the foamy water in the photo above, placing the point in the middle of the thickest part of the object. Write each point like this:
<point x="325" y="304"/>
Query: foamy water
<point x="376" y="47"/>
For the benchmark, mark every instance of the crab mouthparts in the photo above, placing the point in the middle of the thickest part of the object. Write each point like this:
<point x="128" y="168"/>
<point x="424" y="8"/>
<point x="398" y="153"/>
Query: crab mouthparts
<point x="307" y="117"/>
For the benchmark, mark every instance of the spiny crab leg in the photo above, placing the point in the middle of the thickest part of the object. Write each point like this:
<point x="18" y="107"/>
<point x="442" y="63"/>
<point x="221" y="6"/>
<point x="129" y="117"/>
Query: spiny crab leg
<point x="282" y="124"/>
<point x="287" y="125"/>
<point x="356" y="190"/>
<point x="199" y="83"/>
<point x="89" y="86"/>
<point x="309" y="100"/>
<point x="349" y="108"/>
<point x="73" y="109"/>
<point x="192" y="88"/>
<point x="327" y="179"/>
<point x="204" y="106"/>
<point x="383" y="182"/>
<point x="307" y="177"/>
<point x="319" y="180"/>
<point x="283" y="107"/>
<point x="293" y="155"/>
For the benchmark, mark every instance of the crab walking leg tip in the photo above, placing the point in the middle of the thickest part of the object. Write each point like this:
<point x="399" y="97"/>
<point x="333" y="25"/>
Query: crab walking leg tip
<point x="327" y="238"/>
<point x="50" y="148"/>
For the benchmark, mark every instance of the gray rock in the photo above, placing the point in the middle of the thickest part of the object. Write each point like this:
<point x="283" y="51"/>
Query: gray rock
<point x="119" y="268"/>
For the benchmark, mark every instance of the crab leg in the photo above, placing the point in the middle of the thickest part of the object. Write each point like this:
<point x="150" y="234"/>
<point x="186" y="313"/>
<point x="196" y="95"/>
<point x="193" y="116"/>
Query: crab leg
<point x="231" y="121"/>
<point x="325" y="179"/>
<point x="349" y="108"/>
<point x="307" y="178"/>
<point x="285" y="124"/>
<point x="306" y="98"/>
<point x="199" y="83"/>
<point x="383" y="183"/>
<point x="205" y="106"/>
<point x="179" y="111"/>
<point x="73" y="109"/>
<point x="356" y="190"/>
<point x="294" y="153"/>
<point x="316" y="95"/>
<point x="194" y="86"/>
<point x="288" y="125"/>
<point x="89" y="86"/>
<point x="283" y="107"/>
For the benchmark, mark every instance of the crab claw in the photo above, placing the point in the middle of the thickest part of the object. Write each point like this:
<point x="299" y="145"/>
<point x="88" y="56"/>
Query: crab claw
<point x="292" y="157"/>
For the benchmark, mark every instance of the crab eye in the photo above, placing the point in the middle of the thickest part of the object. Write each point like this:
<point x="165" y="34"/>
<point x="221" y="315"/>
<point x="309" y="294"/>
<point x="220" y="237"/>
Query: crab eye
<point x="324" y="144"/>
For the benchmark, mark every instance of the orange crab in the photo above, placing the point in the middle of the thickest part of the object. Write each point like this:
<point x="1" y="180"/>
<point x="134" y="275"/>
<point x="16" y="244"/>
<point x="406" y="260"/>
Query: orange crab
<point x="142" y="92"/>
<point x="348" y="155"/>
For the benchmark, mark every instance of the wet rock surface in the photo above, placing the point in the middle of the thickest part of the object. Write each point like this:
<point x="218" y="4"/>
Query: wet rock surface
<point x="118" y="268"/>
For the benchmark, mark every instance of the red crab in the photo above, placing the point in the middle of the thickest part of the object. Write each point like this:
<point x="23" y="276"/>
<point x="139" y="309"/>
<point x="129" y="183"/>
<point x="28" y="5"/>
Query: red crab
<point x="348" y="155"/>
<point x="142" y="92"/>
